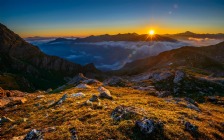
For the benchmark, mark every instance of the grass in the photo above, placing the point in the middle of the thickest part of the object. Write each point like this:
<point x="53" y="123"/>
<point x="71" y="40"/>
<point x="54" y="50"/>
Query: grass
<point x="97" y="123"/>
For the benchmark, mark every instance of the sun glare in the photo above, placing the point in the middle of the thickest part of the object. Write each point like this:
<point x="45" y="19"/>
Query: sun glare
<point x="151" y="32"/>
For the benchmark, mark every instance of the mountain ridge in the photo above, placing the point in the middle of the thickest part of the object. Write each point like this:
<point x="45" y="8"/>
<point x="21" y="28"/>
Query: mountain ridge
<point x="20" y="57"/>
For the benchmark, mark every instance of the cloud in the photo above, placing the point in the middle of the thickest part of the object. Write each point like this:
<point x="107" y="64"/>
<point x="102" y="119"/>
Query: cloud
<point x="198" y="42"/>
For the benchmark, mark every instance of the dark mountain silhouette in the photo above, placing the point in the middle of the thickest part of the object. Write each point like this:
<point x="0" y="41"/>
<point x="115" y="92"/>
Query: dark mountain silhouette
<point x="209" y="58"/>
<point x="118" y="37"/>
<point x="28" y="64"/>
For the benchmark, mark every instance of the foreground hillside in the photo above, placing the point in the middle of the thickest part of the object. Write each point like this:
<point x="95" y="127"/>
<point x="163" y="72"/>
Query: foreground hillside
<point x="83" y="108"/>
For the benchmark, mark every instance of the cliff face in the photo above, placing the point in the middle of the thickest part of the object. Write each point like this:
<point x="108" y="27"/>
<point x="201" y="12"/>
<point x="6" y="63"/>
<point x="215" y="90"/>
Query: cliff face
<point x="43" y="71"/>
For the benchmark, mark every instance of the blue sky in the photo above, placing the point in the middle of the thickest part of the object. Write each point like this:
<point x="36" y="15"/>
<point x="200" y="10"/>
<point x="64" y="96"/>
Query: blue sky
<point x="86" y="17"/>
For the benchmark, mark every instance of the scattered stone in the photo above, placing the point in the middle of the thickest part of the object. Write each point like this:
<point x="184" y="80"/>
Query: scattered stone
<point x="190" y="127"/>
<point x="88" y="103"/>
<point x="146" y="126"/>
<point x="104" y="93"/>
<point x="179" y="75"/>
<point x="94" y="98"/>
<point x="79" y="94"/>
<point x="34" y="135"/>
<point x="125" y="113"/>
<point x="5" y="119"/>
<point x="83" y="86"/>
<point x="73" y="133"/>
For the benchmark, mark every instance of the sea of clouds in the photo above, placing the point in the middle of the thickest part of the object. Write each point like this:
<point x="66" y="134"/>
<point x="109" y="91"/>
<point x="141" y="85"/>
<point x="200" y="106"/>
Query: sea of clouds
<point x="112" y="55"/>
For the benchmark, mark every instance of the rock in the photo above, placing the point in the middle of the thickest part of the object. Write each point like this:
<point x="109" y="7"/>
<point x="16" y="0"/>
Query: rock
<point x="34" y="135"/>
<point x="77" y="79"/>
<point x="104" y="93"/>
<point x="191" y="101"/>
<point x="83" y="86"/>
<point x="11" y="93"/>
<point x="116" y="81"/>
<point x="160" y="76"/>
<point x="91" y="81"/>
<point x="191" y="106"/>
<point x="190" y="127"/>
<point x="125" y="113"/>
<point x="40" y="96"/>
<point x="79" y="94"/>
<point x="149" y="127"/>
<point x="88" y="103"/>
<point x="60" y="101"/>
<point x="148" y="88"/>
<point x="48" y="90"/>
<point x="94" y="98"/>
<point x="5" y="119"/>
<point x="73" y="133"/>
<point x="179" y="75"/>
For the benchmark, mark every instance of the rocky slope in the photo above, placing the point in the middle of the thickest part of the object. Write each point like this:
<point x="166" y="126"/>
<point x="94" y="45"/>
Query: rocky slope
<point x="27" y="62"/>
<point x="208" y="58"/>
<point x="87" y="109"/>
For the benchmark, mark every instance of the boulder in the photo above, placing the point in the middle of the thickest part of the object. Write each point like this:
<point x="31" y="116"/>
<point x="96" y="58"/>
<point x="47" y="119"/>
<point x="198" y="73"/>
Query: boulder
<point x="104" y="93"/>
<point x="149" y="128"/>
<point x="125" y="113"/>
<point x="34" y="135"/>
<point x="179" y="75"/>
<point x="116" y="81"/>
<point x="159" y="76"/>
<point x="79" y="94"/>
<point x="83" y="86"/>
<point x="94" y="98"/>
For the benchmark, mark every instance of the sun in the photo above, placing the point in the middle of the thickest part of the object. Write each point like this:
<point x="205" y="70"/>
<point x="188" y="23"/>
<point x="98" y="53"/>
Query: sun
<point x="151" y="32"/>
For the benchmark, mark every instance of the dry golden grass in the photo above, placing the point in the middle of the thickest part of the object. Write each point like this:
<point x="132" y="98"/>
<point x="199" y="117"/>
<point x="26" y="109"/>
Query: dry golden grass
<point x="98" y="124"/>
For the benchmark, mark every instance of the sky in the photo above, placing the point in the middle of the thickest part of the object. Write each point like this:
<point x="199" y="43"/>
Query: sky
<point x="81" y="18"/>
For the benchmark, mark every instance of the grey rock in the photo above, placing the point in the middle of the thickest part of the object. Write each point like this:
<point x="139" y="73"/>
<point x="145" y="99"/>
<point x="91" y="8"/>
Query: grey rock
<point x="179" y="75"/>
<point x="94" y="98"/>
<point x="34" y="135"/>
<point x="79" y="94"/>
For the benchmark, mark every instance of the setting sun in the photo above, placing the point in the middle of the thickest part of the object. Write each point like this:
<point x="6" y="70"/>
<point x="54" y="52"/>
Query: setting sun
<point x="151" y="32"/>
